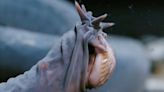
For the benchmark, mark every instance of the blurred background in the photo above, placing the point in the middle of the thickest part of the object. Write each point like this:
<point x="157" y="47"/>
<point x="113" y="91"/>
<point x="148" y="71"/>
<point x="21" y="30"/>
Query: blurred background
<point x="29" y="28"/>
